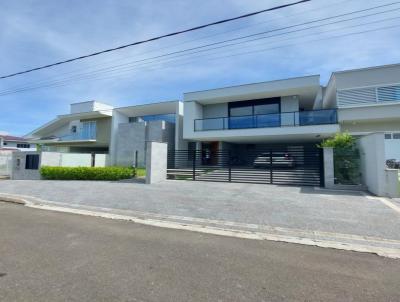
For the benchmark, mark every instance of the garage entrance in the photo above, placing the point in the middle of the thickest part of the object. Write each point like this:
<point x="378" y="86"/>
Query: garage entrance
<point x="299" y="164"/>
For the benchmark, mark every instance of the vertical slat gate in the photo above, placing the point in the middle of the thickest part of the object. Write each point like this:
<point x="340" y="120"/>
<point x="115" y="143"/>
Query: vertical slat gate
<point x="284" y="165"/>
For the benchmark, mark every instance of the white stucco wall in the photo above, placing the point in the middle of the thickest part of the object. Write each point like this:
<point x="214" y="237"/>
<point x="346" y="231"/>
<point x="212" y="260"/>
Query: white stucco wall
<point x="392" y="149"/>
<point x="192" y="111"/>
<point x="89" y="106"/>
<point x="388" y="74"/>
<point x="372" y="153"/>
<point x="215" y="110"/>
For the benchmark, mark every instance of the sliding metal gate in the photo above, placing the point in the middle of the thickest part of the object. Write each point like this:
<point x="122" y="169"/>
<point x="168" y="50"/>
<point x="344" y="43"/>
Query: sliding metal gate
<point x="286" y="165"/>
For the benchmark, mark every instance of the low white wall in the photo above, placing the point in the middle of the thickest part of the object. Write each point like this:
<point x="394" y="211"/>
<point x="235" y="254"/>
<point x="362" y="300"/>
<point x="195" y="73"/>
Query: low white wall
<point x="373" y="166"/>
<point x="392" y="183"/>
<point x="5" y="163"/>
<point x="102" y="160"/>
<point x="76" y="160"/>
<point x="57" y="159"/>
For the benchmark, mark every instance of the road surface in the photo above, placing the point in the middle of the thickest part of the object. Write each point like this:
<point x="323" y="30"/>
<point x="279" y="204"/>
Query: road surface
<point x="49" y="256"/>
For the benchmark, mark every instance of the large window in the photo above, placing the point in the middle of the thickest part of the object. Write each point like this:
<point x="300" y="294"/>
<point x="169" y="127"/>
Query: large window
<point x="155" y="117"/>
<point x="255" y="107"/>
<point x="254" y="113"/>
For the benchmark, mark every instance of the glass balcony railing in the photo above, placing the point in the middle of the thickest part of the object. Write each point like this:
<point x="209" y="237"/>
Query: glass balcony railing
<point x="86" y="132"/>
<point x="283" y="119"/>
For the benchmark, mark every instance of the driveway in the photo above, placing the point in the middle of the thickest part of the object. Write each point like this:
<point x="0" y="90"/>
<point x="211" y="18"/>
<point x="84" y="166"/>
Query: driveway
<point x="301" y="208"/>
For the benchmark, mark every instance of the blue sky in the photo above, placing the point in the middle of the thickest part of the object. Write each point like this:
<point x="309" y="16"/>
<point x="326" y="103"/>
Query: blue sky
<point x="34" y="32"/>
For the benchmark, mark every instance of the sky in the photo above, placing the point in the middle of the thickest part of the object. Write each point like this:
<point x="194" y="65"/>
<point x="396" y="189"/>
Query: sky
<point x="39" y="32"/>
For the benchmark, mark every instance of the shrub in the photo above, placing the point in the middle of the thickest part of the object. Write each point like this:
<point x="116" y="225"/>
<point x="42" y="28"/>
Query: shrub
<point x="140" y="172"/>
<point x="86" y="173"/>
<point x="340" y="140"/>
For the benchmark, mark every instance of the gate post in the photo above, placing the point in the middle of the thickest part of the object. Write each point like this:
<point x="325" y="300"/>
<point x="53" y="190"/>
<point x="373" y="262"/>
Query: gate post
<point x="229" y="166"/>
<point x="328" y="168"/>
<point x="270" y="168"/>
<point x="194" y="164"/>
<point x="156" y="162"/>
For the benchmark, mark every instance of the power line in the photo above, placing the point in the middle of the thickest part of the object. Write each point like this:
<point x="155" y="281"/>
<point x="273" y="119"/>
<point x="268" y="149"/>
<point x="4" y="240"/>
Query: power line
<point x="63" y="83"/>
<point x="59" y="76"/>
<point x="156" y="38"/>
<point x="203" y="47"/>
<point x="200" y="38"/>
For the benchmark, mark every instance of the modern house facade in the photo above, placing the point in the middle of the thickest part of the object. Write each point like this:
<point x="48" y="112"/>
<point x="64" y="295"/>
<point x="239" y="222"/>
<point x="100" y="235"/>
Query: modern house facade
<point x="95" y="127"/>
<point x="235" y="132"/>
<point x="368" y="101"/>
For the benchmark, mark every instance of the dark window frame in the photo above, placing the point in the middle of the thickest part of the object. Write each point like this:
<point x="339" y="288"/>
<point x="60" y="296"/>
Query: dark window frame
<point x="32" y="162"/>
<point x="252" y="103"/>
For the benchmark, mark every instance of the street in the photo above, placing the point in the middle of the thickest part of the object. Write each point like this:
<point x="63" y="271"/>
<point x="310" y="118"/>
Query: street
<point x="49" y="256"/>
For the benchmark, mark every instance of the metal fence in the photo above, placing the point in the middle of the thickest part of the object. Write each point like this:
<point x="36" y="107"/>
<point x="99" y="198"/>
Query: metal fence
<point x="347" y="166"/>
<point x="294" y="165"/>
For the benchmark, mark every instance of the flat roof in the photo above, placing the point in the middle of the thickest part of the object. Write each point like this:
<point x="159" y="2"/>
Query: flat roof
<point x="367" y="68"/>
<point x="165" y="107"/>
<point x="305" y="87"/>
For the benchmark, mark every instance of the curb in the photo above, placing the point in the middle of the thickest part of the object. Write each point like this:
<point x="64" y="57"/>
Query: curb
<point x="14" y="200"/>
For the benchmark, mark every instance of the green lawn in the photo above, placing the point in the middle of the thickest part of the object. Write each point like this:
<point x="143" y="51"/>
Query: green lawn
<point x="140" y="172"/>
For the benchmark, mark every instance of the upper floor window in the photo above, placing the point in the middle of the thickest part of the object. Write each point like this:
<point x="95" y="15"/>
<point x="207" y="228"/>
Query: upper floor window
<point x="23" y="146"/>
<point x="255" y="107"/>
<point x="388" y="93"/>
<point x="170" y="117"/>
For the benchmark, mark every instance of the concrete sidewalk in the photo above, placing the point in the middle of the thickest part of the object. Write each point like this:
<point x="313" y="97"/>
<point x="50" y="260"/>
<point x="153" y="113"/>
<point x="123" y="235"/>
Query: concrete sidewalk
<point x="348" y="217"/>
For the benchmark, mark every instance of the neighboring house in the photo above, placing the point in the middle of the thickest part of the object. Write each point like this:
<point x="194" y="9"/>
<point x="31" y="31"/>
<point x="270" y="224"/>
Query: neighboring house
<point x="86" y="129"/>
<point x="368" y="101"/>
<point x="8" y="142"/>
<point x="94" y="127"/>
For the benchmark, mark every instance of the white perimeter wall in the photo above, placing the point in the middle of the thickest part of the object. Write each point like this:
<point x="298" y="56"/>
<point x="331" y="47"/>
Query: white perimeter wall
<point x="379" y="180"/>
<point x="57" y="159"/>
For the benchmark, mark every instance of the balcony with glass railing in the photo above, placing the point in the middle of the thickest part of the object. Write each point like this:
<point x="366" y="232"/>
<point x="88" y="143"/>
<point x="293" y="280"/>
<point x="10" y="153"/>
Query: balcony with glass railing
<point x="283" y="119"/>
<point x="87" y="132"/>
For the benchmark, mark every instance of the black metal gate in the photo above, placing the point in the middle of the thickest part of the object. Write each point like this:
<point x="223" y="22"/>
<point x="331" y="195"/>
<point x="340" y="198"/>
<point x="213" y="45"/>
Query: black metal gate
<point x="286" y="165"/>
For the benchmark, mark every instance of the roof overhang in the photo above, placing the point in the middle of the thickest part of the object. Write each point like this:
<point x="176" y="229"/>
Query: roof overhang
<point x="66" y="118"/>
<point x="57" y="141"/>
<point x="306" y="88"/>
<point x="150" y="109"/>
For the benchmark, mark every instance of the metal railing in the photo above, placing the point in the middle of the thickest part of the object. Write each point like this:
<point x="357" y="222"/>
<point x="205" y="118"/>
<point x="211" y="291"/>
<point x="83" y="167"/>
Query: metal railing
<point x="283" y="119"/>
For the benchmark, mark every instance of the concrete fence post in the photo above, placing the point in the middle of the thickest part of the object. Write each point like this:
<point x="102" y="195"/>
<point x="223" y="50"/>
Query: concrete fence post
<point x="156" y="162"/>
<point x="329" y="172"/>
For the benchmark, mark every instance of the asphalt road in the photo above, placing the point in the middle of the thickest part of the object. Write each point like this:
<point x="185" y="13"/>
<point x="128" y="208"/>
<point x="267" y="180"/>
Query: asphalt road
<point x="49" y="256"/>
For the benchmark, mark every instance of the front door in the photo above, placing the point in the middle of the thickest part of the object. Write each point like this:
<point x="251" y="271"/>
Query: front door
<point x="209" y="153"/>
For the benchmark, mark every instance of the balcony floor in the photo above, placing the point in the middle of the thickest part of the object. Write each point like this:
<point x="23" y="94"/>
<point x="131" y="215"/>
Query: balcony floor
<point x="276" y="134"/>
